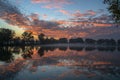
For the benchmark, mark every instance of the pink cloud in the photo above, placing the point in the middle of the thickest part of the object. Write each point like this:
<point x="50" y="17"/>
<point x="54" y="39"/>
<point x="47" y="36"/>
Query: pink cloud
<point x="64" y="12"/>
<point x="52" y="1"/>
<point x="50" y="4"/>
<point x="77" y="14"/>
<point x="86" y="14"/>
<point x="91" y="12"/>
<point x="40" y="1"/>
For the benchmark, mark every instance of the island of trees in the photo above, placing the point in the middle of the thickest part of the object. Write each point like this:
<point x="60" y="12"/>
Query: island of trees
<point x="8" y="38"/>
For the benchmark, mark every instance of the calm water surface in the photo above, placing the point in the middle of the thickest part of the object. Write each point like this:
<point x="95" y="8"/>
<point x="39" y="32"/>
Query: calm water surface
<point x="60" y="63"/>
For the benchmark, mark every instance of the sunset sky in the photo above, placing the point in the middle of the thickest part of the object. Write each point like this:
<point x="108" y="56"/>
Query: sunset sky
<point x="58" y="18"/>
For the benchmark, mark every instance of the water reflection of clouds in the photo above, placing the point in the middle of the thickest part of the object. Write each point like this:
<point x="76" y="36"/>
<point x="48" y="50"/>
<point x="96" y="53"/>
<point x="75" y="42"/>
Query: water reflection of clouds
<point x="78" y="62"/>
<point x="58" y="53"/>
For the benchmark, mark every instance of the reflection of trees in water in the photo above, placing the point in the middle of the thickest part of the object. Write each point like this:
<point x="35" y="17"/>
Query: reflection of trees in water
<point x="6" y="54"/>
<point x="76" y="48"/>
<point x="10" y="70"/>
<point x="106" y="48"/>
<point x="41" y="51"/>
<point x="90" y="48"/>
<point x="62" y="48"/>
<point x="15" y="49"/>
<point x="80" y="48"/>
<point x="84" y="61"/>
<point x="27" y="52"/>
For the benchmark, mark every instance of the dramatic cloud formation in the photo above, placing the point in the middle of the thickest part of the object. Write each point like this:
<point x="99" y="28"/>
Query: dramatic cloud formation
<point x="12" y="15"/>
<point x="90" y="23"/>
<point x="91" y="19"/>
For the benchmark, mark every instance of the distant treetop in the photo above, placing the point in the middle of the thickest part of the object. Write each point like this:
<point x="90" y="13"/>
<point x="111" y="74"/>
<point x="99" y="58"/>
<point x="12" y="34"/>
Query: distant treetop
<point x="114" y="9"/>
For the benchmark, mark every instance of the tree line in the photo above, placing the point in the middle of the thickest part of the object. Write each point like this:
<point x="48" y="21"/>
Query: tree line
<point x="8" y="37"/>
<point x="96" y="42"/>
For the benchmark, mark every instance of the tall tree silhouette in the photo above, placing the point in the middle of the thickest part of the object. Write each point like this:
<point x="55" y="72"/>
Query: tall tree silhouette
<point x="114" y="9"/>
<point x="27" y="37"/>
<point x="41" y="38"/>
<point x="6" y="36"/>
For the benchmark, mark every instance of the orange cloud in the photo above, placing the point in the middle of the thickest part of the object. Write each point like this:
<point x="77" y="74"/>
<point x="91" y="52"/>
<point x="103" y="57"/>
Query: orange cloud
<point x="15" y="19"/>
<point x="102" y="24"/>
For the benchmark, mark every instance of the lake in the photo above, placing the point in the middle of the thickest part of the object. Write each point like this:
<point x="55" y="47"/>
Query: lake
<point x="60" y="62"/>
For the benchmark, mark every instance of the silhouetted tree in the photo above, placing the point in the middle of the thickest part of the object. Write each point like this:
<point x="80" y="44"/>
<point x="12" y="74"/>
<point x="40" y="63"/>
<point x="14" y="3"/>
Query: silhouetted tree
<point x="114" y="9"/>
<point x="27" y="37"/>
<point x="107" y="42"/>
<point x="6" y="36"/>
<point x="63" y="40"/>
<point x="17" y="41"/>
<point x="76" y="40"/>
<point x="100" y="42"/>
<point x="50" y="40"/>
<point x="41" y="38"/>
<point x="112" y="42"/>
<point x="90" y="41"/>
